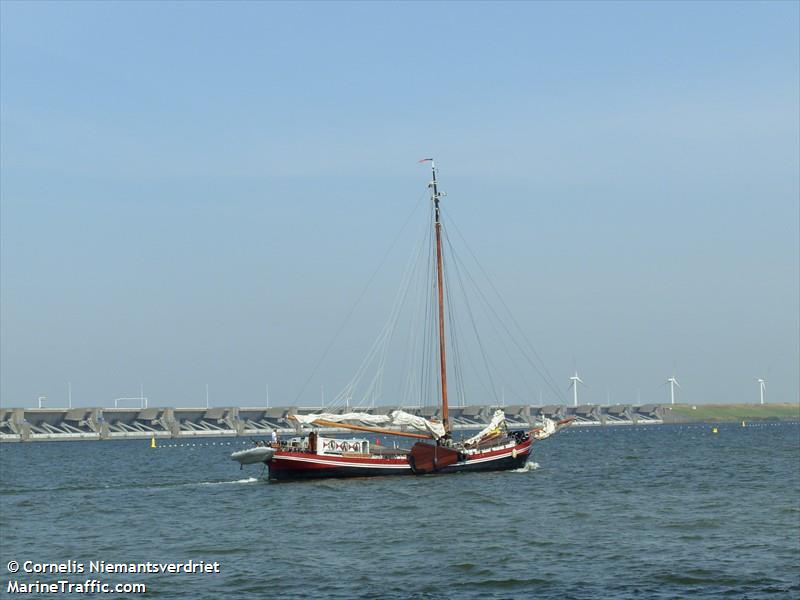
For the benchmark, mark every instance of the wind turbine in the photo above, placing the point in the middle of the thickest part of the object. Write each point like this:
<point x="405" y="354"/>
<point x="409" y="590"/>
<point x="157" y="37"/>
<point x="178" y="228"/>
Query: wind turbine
<point x="673" y="383"/>
<point x="762" y="388"/>
<point x="575" y="380"/>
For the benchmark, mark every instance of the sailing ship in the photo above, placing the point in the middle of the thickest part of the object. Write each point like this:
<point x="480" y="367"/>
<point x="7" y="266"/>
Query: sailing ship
<point x="494" y="448"/>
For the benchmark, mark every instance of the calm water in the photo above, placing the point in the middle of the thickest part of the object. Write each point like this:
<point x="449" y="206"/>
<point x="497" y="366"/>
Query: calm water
<point x="628" y="512"/>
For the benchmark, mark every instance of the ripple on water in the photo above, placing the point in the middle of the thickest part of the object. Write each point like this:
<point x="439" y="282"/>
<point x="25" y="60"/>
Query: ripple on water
<point x="695" y="524"/>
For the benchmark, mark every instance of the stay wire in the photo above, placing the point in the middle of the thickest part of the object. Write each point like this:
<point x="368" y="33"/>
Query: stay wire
<point x="503" y="343"/>
<point x="542" y="368"/>
<point x="360" y="297"/>
<point x="455" y="333"/>
<point x="492" y="390"/>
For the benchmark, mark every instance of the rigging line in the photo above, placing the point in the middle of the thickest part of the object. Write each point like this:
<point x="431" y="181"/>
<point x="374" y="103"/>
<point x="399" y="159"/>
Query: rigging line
<point x="458" y="349"/>
<point x="490" y="311"/>
<point x="408" y="372"/>
<point x="417" y="360"/>
<point x="546" y="377"/>
<point x="426" y="385"/>
<point x="360" y="297"/>
<point x="455" y="345"/>
<point x="410" y="359"/>
<point x="351" y="386"/>
<point x="434" y="381"/>
<point x="377" y="386"/>
<point x="510" y="314"/>
<point x="489" y="392"/>
<point x="416" y="370"/>
<point x="505" y="306"/>
<point x="487" y="366"/>
<point x="510" y="355"/>
<point x="382" y="341"/>
<point x="403" y="364"/>
<point x="512" y="391"/>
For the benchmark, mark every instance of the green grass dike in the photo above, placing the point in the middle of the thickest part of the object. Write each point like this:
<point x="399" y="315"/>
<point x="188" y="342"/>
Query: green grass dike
<point x="720" y="413"/>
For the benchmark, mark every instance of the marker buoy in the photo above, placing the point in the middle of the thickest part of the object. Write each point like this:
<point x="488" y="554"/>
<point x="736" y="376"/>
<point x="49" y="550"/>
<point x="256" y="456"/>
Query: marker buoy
<point x="714" y="430"/>
<point x="153" y="442"/>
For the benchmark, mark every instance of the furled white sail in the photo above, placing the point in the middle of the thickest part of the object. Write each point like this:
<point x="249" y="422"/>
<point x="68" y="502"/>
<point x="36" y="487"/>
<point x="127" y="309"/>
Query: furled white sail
<point x="397" y="418"/>
<point x="548" y="428"/>
<point x="338" y="418"/>
<point x="498" y="418"/>
<point x="435" y="428"/>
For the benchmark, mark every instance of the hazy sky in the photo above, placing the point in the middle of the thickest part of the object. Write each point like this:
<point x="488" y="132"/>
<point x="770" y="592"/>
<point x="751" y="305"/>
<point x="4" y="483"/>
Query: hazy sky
<point x="197" y="193"/>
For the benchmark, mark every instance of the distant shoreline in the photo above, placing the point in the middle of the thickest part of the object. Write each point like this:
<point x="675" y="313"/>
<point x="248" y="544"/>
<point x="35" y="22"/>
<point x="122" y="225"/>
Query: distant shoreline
<point x="730" y="413"/>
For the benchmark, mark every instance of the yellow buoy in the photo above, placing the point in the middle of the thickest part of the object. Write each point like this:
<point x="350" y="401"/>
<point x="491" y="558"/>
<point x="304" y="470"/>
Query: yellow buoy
<point x="714" y="430"/>
<point x="744" y="424"/>
<point x="153" y="442"/>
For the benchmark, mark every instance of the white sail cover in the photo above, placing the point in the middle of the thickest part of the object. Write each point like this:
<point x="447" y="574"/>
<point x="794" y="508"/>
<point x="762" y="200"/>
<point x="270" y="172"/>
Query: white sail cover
<point x="549" y="427"/>
<point x="338" y="418"/>
<point x="498" y="418"/>
<point x="397" y="418"/>
<point x="435" y="428"/>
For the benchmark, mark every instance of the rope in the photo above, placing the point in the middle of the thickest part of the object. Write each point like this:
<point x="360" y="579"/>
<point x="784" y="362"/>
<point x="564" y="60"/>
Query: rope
<point x="541" y="369"/>
<point x="358" y="300"/>
<point x="492" y="389"/>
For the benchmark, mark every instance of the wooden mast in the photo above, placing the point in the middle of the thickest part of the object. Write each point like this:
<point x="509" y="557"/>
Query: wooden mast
<point x="435" y="195"/>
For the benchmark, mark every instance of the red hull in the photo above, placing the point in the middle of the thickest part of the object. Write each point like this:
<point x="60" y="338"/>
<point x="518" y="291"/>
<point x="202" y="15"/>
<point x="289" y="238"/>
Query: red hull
<point x="307" y="465"/>
<point x="286" y="466"/>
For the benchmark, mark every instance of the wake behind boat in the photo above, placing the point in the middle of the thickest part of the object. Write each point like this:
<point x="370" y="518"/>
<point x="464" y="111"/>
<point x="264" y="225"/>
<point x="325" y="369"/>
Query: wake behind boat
<point x="494" y="448"/>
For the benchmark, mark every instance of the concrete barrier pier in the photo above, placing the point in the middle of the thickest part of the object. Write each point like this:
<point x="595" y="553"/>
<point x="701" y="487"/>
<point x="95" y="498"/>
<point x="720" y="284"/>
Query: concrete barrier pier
<point x="59" y="424"/>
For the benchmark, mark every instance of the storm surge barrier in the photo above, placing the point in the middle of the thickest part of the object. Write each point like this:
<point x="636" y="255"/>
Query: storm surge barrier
<point x="62" y="424"/>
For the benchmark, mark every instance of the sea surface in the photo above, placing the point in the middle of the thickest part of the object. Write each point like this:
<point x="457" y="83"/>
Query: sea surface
<point x="671" y="511"/>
